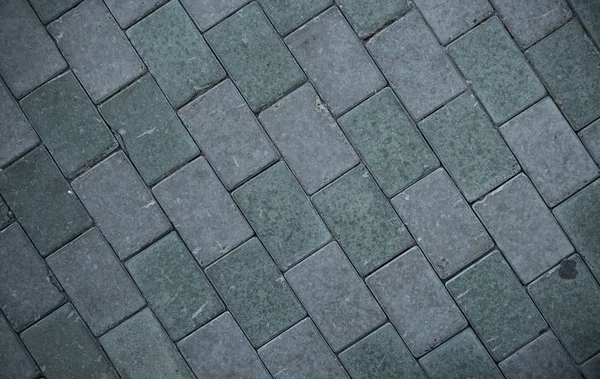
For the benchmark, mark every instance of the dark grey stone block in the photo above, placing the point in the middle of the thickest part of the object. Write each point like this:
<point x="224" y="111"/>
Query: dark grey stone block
<point x="15" y="361"/>
<point x="48" y="10"/>
<point x="128" y="12"/>
<point x="367" y="17"/>
<point x="588" y="14"/>
<point x="207" y="13"/>
<point x="590" y="137"/>
<point x="6" y="216"/>
<point x="591" y="368"/>
<point x="287" y="15"/>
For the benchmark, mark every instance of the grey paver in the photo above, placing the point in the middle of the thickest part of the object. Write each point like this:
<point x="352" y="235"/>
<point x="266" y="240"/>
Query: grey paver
<point x="208" y="220"/>
<point x="367" y="17"/>
<point x="416" y="65"/>
<point x="123" y="208"/>
<point x="64" y="347"/>
<point x="232" y="140"/>
<point x="48" y="10"/>
<point x="342" y="71"/>
<point x="497" y="70"/>
<point x="362" y="220"/>
<point x="129" y="11"/>
<point x="591" y="368"/>
<point x="588" y="14"/>
<point x="282" y="216"/>
<point x="255" y="292"/>
<point x="69" y="124"/>
<point x="154" y="138"/>
<point x="15" y="361"/>
<point x="174" y="286"/>
<point x="207" y="13"/>
<point x="96" y="49"/>
<point x="6" y="216"/>
<point x="95" y="281"/>
<point x="590" y="137"/>
<point x="221" y="350"/>
<point x="496" y="305"/>
<point x="470" y="147"/>
<point x="440" y="219"/>
<point x="309" y="138"/>
<point x="416" y="302"/>
<point x="259" y="63"/>
<point x="523" y="227"/>
<point x="389" y="143"/>
<point x="287" y="15"/>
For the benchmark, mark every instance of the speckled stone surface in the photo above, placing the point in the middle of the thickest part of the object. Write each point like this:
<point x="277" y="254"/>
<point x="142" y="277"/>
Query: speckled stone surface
<point x="128" y="12"/>
<point x="14" y="358"/>
<point x="367" y="17"/>
<point x="588" y="14"/>
<point x="590" y="137"/>
<point x="287" y="15"/>
<point x="48" y="10"/>
<point x="6" y="216"/>
<point x="591" y="368"/>
<point x="207" y="13"/>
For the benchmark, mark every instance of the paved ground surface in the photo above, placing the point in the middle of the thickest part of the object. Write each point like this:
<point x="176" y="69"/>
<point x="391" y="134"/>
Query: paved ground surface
<point x="299" y="189"/>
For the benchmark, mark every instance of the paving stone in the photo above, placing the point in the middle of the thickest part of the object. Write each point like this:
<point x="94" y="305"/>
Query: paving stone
<point x="440" y="219"/>
<point x="544" y="357"/>
<point x="342" y="71"/>
<point x="127" y="12"/>
<point x="95" y="281"/>
<point x="207" y="220"/>
<point x="570" y="67"/>
<point x="362" y="220"/>
<point x="64" y="347"/>
<point x="255" y="292"/>
<point x="416" y="65"/>
<point x="588" y="14"/>
<point x="228" y="134"/>
<point x="123" y="208"/>
<point x="591" y="368"/>
<point x="221" y="350"/>
<point x="96" y="49"/>
<point x="590" y="137"/>
<point x="367" y="17"/>
<point x="300" y="352"/>
<point x="496" y="305"/>
<point x="287" y="15"/>
<point x="282" y="216"/>
<point x="207" y="13"/>
<point x="450" y="19"/>
<point x="175" y="53"/>
<point x="28" y="289"/>
<point x="497" y="70"/>
<point x="258" y="63"/>
<point x="174" y="286"/>
<point x="469" y="147"/>
<point x="140" y="348"/>
<point x="150" y="132"/>
<point x="48" y="10"/>
<point x="29" y="57"/>
<point x="6" y="216"/>
<point x="69" y="124"/>
<point x="389" y="143"/>
<point x="15" y="361"/>
<point x="416" y="302"/>
<point x="42" y="200"/>
<point x="461" y="357"/>
<point x="309" y="139"/>
<point x="523" y="227"/>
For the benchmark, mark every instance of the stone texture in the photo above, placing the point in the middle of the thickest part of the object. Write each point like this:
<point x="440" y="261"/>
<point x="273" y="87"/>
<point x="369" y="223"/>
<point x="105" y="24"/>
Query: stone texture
<point x="15" y="361"/>
<point x="342" y="71"/>
<point x="6" y="216"/>
<point x="588" y="14"/>
<point x="207" y="13"/>
<point x="590" y="137"/>
<point x="416" y="65"/>
<point x="48" y="10"/>
<point x="591" y="368"/>
<point x="128" y="12"/>
<point x="309" y="138"/>
<point x="440" y="219"/>
<point x="367" y="17"/>
<point x="287" y="15"/>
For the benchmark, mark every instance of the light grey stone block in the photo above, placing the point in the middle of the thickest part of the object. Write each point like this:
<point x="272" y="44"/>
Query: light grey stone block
<point x="207" y="13"/>
<point x="590" y="137"/>
<point x="15" y="361"/>
<point x="129" y="11"/>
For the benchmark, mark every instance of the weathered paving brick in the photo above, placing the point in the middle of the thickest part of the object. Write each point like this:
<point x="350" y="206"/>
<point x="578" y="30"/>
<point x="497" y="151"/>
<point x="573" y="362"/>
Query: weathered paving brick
<point x="342" y="71"/>
<point x="368" y="17"/>
<point x="255" y="292"/>
<point x="470" y="147"/>
<point x="49" y="10"/>
<point x="15" y="361"/>
<point x="151" y="134"/>
<point x="6" y="216"/>
<point x="416" y="302"/>
<point x="258" y="63"/>
<point x="228" y="134"/>
<point x="389" y="143"/>
<point x="309" y="139"/>
<point x="121" y="205"/>
<point x="440" y="219"/>
<point x="202" y="211"/>
<point x="588" y="14"/>
<point x="287" y="15"/>
<point x="590" y="137"/>
<point x="282" y="216"/>
<point x="362" y="219"/>
<point x="96" y="49"/>
<point x="497" y="70"/>
<point x="64" y="347"/>
<point x="591" y="368"/>
<point x="496" y="305"/>
<point x="69" y="124"/>
<point x="128" y="12"/>
<point x="174" y="286"/>
<point x="416" y="65"/>
<point x="207" y="13"/>
<point x="95" y="281"/>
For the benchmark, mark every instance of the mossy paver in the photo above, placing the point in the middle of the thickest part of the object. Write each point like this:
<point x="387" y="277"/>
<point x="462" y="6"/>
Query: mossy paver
<point x="127" y="12"/>
<point x="367" y="17"/>
<point x="287" y="15"/>
<point x="15" y="359"/>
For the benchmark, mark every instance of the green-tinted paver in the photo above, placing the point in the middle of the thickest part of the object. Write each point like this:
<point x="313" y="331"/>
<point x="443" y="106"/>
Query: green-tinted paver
<point x="470" y="147"/>
<point x="69" y="124"/>
<point x="152" y="135"/>
<point x="175" y="53"/>
<point x="367" y="17"/>
<point x="255" y="57"/>
<point x="64" y="348"/>
<point x="42" y="200"/>
<point x="255" y="292"/>
<point x="362" y="219"/>
<point x="496" y="305"/>
<point x="48" y="10"/>
<point x="287" y="15"/>
<point x="569" y="298"/>
<point x="388" y="142"/>
<point x="174" y="286"/>
<point x="498" y="71"/>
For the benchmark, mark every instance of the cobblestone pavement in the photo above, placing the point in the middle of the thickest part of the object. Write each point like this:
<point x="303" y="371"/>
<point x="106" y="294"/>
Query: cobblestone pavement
<point x="299" y="189"/>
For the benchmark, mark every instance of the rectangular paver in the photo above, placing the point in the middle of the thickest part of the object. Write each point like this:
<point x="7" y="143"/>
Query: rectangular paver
<point x="590" y="137"/>
<point x="6" y="216"/>
<point x="15" y="361"/>
<point x="207" y="13"/>
<point x="287" y="15"/>
<point x="588" y="14"/>
<point x="49" y="10"/>
<point x="591" y="368"/>
<point x="128" y="12"/>
<point x="367" y="17"/>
